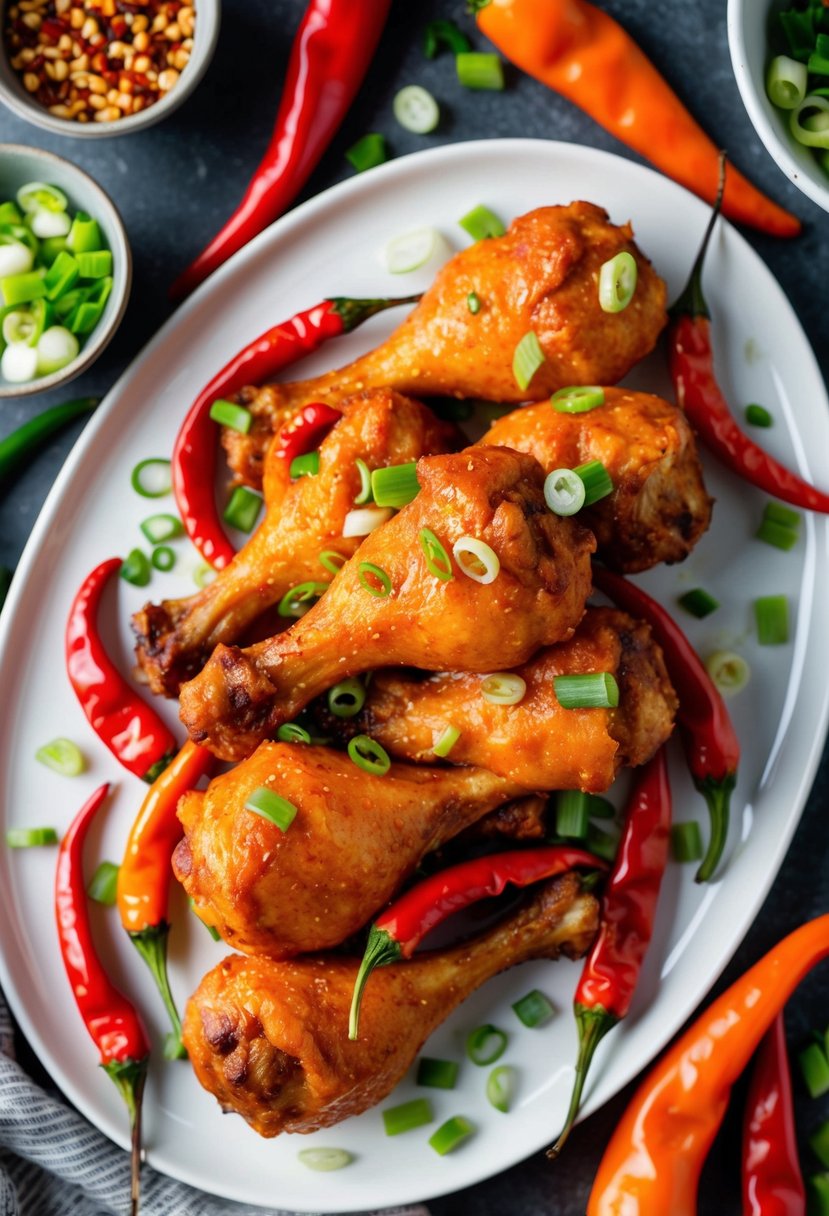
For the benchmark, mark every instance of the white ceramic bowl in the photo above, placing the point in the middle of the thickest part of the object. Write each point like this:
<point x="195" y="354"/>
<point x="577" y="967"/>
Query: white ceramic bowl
<point x="18" y="165"/>
<point x="749" y="45"/>
<point x="205" y="34"/>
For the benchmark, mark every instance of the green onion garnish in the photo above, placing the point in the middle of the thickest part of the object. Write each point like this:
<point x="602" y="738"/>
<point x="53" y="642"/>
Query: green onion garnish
<point x="21" y="288"/>
<point x="416" y="109"/>
<point x="84" y="235"/>
<point x="103" y="885"/>
<point x="151" y="478"/>
<point x="407" y="1116"/>
<point x="161" y="528"/>
<point x="500" y="1087"/>
<point x="527" y="358"/>
<point x="374" y="579"/>
<point x="564" y="491"/>
<point x="204" y="574"/>
<point x="307" y="465"/>
<point x="503" y="688"/>
<point x="243" y="509"/>
<point x="473" y="303"/>
<point x="480" y="70"/>
<point x="368" y="755"/>
<point x="777" y="513"/>
<point x="451" y="1133"/>
<point x="278" y="810"/>
<point x="332" y="561"/>
<point x="819" y="1143"/>
<point x="396" y="485"/>
<point x="787" y="82"/>
<point x="758" y="415"/>
<point x="292" y="732"/>
<point x="443" y="33"/>
<point x="579" y="399"/>
<point x="597" y="481"/>
<point x="29" y="838"/>
<point x="729" y="671"/>
<point x="437" y="1074"/>
<point x="686" y="841"/>
<point x="346" y="699"/>
<point x="96" y="265"/>
<point x="437" y="559"/>
<point x="447" y="741"/>
<point x="228" y="414"/>
<point x="772" y="615"/>
<point x="814" y="1066"/>
<point x="476" y="559"/>
<point x="818" y="1193"/>
<point x="41" y="196"/>
<point x="295" y="602"/>
<point x="572" y="814"/>
<point x="596" y="690"/>
<point x="481" y="223"/>
<point x="136" y="568"/>
<point x="62" y="756"/>
<point x="698" y="602"/>
<point x="323" y="1160"/>
<point x="617" y="282"/>
<point x="600" y="808"/>
<point x="486" y="1044"/>
<point x="601" y="843"/>
<point x="61" y="276"/>
<point x="365" y="483"/>
<point x="534" y="1009"/>
<point x="779" y="536"/>
<point x="368" y="152"/>
<point x="163" y="558"/>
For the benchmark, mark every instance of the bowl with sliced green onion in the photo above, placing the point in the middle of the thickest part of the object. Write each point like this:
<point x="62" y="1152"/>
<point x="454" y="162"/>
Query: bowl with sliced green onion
<point x="780" y="56"/>
<point x="65" y="270"/>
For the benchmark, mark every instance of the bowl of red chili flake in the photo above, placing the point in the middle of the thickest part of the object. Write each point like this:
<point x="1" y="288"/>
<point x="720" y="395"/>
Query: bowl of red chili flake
<point x="103" y="67"/>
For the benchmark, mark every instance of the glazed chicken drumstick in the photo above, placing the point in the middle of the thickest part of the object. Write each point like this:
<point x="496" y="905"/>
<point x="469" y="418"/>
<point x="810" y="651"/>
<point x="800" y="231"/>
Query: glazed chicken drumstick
<point x="303" y="518"/>
<point x="541" y="276"/>
<point x="270" y="1039"/>
<point x="412" y="616"/>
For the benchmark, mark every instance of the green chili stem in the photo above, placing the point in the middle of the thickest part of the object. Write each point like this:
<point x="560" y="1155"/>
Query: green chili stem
<point x="717" y="795"/>
<point x="129" y="1077"/>
<point x="151" y="944"/>
<point x="593" y="1025"/>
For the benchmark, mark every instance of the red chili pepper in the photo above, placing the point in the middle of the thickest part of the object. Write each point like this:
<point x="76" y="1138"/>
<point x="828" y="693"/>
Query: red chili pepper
<point x="329" y="58"/>
<point x="194" y="454"/>
<point x="399" y="931"/>
<point x="772" y="1181"/>
<point x="306" y="430"/>
<point x="691" y="363"/>
<point x="132" y="731"/>
<point x="712" y="749"/>
<point x="612" y="968"/>
<point x="111" y="1020"/>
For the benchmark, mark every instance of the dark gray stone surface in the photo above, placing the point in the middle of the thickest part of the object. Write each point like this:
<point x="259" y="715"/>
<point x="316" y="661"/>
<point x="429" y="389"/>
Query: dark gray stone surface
<point x="176" y="182"/>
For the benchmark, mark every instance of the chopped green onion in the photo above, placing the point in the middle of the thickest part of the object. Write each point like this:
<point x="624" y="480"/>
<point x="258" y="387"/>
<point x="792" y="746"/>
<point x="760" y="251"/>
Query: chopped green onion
<point x="473" y="303"/>
<point x="407" y="1116"/>
<point x="243" y="509"/>
<point x="819" y="1143"/>
<point x="729" y="671"/>
<point x="416" y="109"/>
<point x="534" y="1009"/>
<point x="56" y="348"/>
<point x="151" y="478"/>
<point x="84" y="235"/>
<point x="292" y="732"/>
<point x="595" y="690"/>
<point x="160" y="528"/>
<point x="228" y="414"/>
<point x="85" y="317"/>
<point x="579" y="399"/>
<point x="564" y="492"/>
<point x="278" y="810"/>
<point x="503" y="688"/>
<point x="437" y="559"/>
<point x="296" y="601"/>
<point x="601" y="843"/>
<point x="9" y="214"/>
<point x="446" y="741"/>
<point x="365" y="483"/>
<point x="323" y="1160"/>
<point x="597" y="481"/>
<point x="786" y="82"/>
<point x="617" y="282"/>
<point x="443" y="33"/>
<point x="21" y="288"/>
<point x="481" y="223"/>
<point x="41" y="196"/>
<point x="772" y="615"/>
<point x="97" y="265"/>
<point x="363" y="520"/>
<point x="18" y="363"/>
<point x="572" y="814"/>
<point x="779" y="514"/>
<point x="346" y="699"/>
<point x="136" y="568"/>
<point x="204" y="574"/>
<point x="814" y="1066"/>
<point x="50" y="248"/>
<point x="809" y="123"/>
<point x="450" y="1134"/>
<point x="486" y="1044"/>
<point x="758" y="415"/>
<point x="779" y="536"/>
<point x="437" y="1074"/>
<point x="15" y="257"/>
<point x="396" y="485"/>
<point x="62" y="756"/>
<point x="332" y="561"/>
<point x="49" y="225"/>
<point x="686" y="841"/>
<point x="409" y="252"/>
<point x="61" y="275"/>
<point x="368" y="755"/>
<point x="476" y="559"/>
<point x="527" y="358"/>
<point x="501" y="1085"/>
<point x="29" y="838"/>
<point x="163" y="558"/>
<point x="818" y="1190"/>
<point x="307" y="465"/>
<point x="480" y="70"/>
<point x="368" y="152"/>
<point x="698" y="602"/>
<point x="370" y="576"/>
<point x="103" y="885"/>
<point x="600" y="808"/>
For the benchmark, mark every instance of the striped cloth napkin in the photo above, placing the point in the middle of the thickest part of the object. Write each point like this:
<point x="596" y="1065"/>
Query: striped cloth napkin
<point x="54" y="1163"/>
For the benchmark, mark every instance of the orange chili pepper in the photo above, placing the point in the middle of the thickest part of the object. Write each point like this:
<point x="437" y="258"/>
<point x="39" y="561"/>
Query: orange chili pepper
<point x="145" y="872"/>
<point x="653" y="1161"/>
<point x="581" y="52"/>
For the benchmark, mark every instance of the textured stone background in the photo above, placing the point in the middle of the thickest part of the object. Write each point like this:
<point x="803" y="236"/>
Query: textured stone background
<point x="176" y="182"/>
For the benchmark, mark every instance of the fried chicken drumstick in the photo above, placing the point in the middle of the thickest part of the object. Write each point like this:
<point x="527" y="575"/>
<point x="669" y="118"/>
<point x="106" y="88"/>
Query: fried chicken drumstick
<point x="270" y="1039"/>
<point x="541" y="276"/>
<point x="493" y="494"/>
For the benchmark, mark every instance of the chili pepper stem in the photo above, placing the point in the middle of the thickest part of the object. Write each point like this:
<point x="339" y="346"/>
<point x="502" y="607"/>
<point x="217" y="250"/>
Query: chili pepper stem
<point x="593" y="1025"/>
<point x="151" y="944"/>
<point x="381" y="949"/>
<point x="691" y="302"/>
<point x="129" y="1077"/>
<point x="353" y="312"/>
<point x="717" y="795"/>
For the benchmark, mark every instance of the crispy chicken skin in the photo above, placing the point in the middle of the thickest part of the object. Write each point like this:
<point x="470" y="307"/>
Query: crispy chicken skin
<point x="541" y="276"/>
<point x="355" y="839"/>
<point x="382" y="428"/>
<point x="242" y="696"/>
<point x="270" y="1039"/>
<point x="536" y="743"/>
<point x="659" y="508"/>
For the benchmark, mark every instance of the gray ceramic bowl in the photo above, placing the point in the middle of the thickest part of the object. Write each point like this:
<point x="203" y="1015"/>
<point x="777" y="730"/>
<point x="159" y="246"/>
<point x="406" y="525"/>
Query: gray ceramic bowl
<point x="205" y="35"/>
<point x="19" y="165"/>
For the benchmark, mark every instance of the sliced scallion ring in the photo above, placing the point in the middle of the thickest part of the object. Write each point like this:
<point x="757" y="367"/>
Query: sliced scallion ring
<point x="47" y="224"/>
<point x="527" y="358"/>
<point x="446" y="741"/>
<point x="292" y="732"/>
<point x="365" y="483"/>
<point x="163" y="558"/>
<point x="41" y="196"/>
<point x="486" y="1044"/>
<point x="451" y="1134"/>
<point x="62" y="756"/>
<point x="18" y="363"/>
<point x="270" y="805"/>
<point x="564" y="492"/>
<point x="346" y="699"/>
<point x="161" y="528"/>
<point x="103" y="885"/>
<point x="503" y="688"/>
<point x="578" y="399"/>
<point x="297" y="601"/>
<point x="473" y="303"/>
<point x="368" y="755"/>
<point x="809" y="123"/>
<point x="594" y="690"/>
<point x="323" y="1160"/>
<point x="332" y="561"/>
<point x="374" y="579"/>
<point x="204" y="574"/>
<point x="136" y="568"/>
<point x="19" y="326"/>
<point x="437" y="559"/>
<point x="476" y="559"/>
<point x="786" y="82"/>
<point x="729" y="671"/>
<point x="152" y="478"/>
<point x="29" y="838"/>
<point x="535" y="1009"/>
<point x="416" y="110"/>
<point x="56" y="348"/>
<point x="411" y="250"/>
<point x="363" y="520"/>
<point x="617" y="282"/>
<point x="501" y="1085"/>
<point x="15" y="257"/>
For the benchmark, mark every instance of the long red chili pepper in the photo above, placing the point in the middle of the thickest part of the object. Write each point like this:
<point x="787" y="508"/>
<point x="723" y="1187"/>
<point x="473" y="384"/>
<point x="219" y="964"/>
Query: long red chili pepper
<point x="399" y="931"/>
<point x="194" y="454"/>
<point x="611" y="971"/>
<point x="772" y="1181"/>
<point x="145" y="873"/>
<point x="132" y="731"/>
<point x="111" y="1020"/>
<point x="712" y="749"/>
<point x="330" y="56"/>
